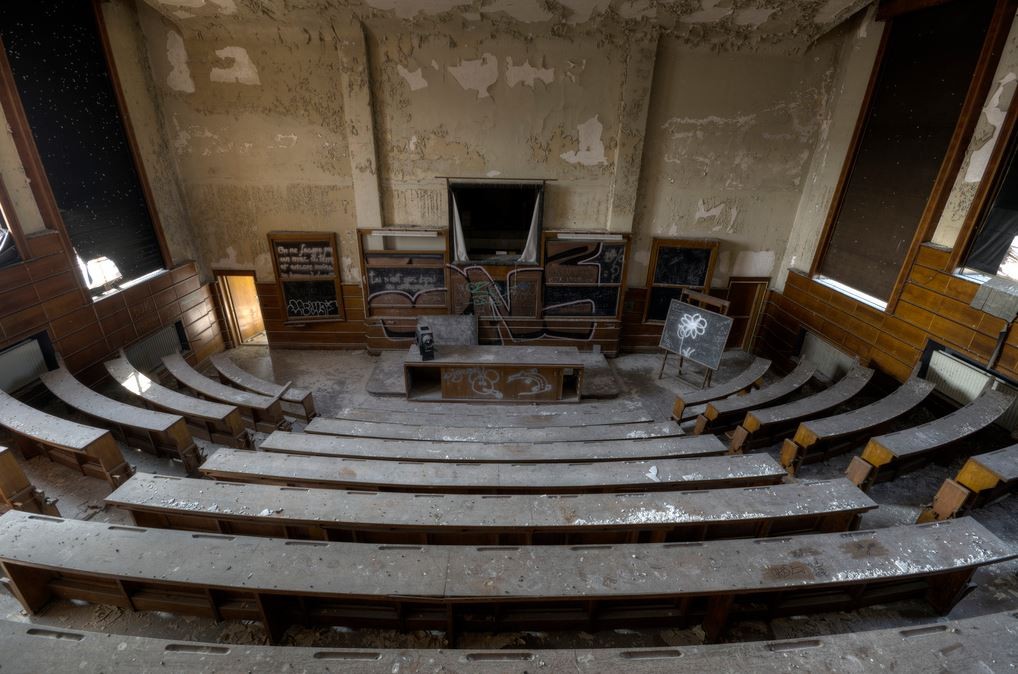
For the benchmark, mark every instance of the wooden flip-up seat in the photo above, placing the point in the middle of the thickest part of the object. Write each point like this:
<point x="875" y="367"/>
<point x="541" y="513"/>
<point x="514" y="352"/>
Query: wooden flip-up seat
<point x="987" y="643"/>
<point x="983" y="478"/>
<point x="480" y="452"/>
<point x="720" y="415"/>
<point x="297" y="401"/>
<point x="158" y="432"/>
<point x="887" y="456"/>
<point x="367" y="429"/>
<point x="454" y="420"/>
<point x="262" y="413"/>
<point x="17" y="492"/>
<point x="93" y="451"/>
<point x="761" y="426"/>
<point x="745" y="380"/>
<point x="166" y="502"/>
<point x="709" y="472"/>
<point x="209" y="420"/>
<point x="822" y="438"/>
<point x="281" y="582"/>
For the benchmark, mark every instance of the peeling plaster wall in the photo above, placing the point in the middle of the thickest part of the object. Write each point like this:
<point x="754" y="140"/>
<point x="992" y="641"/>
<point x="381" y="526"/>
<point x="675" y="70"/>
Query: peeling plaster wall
<point x="12" y="172"/>
<point x="127" y="44"/>
<point x="858" y="55"/>
<point x="255" y="124"/>
<point x="487" y="100"/>
<point x="984" y="140"/>
<point x="728" y="149"/>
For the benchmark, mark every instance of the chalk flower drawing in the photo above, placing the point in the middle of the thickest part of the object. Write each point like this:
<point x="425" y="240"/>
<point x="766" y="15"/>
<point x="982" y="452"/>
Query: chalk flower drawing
<point x="691" y="326"/>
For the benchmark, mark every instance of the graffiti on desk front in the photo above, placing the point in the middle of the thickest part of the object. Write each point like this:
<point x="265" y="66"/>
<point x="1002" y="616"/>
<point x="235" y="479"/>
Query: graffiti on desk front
<point x="535" y="380"/>
<point x="482" y="381"/>
<point x="311" y="307"/>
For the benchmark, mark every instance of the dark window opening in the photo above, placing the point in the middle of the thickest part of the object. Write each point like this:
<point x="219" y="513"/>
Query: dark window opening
<point x="8" y="251"/>
<point x="496" y="222"/>
<point x="994" y="249"/>
<point x="63" y="81"/>
<point x="924" y="76"/>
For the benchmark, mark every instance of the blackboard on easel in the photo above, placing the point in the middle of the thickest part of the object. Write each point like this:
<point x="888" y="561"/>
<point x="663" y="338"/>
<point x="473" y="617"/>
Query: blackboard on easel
<point x="305" y="266"/>
<point x="677" y="265"/>
<point x="695" y="334"/>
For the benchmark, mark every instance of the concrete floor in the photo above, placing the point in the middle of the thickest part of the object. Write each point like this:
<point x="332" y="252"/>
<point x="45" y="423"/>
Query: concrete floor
<point x="338" y="380"/>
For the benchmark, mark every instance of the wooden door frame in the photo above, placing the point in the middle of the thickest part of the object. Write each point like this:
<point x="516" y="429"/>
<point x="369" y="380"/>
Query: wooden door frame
<point x="224" y="301"/>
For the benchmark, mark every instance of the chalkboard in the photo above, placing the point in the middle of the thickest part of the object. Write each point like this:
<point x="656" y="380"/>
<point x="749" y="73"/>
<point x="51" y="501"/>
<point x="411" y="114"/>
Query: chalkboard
<point x="695" y="334"/>
<point x="682" y="266"/>
<point x="408" y="280"/>
<point x="581" y="300"/>
<point x="577" y="262"/>
<point x="660" y="299"/>
<point x="304" y="258"/>
<point x="310" y="299"/>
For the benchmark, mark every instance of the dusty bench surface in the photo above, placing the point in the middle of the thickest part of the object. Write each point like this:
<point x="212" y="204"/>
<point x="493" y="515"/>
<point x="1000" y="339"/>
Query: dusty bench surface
<point x="367" y="429"/>
<point x="64" y="386"/>
<point x="500" y="355"/>
<point x="983" y="478"/>
<point x="515" y="409"/>
<point x="455" y="420"/>
<point x="1001" y="463"/>
<point x="290" y="507"/>
<point x="191" y="378"/>
<point x="742" y="381"/>
<point x="467" y="581"/>
<point x="987" y="643"/>
<point x="45" y="428"/>
<point x="140" y="385"/>
<point x="657" y="475"/>
<point x="546" y="452"/>
<point x="720" y="410"/>
<point x="244" y="379"/>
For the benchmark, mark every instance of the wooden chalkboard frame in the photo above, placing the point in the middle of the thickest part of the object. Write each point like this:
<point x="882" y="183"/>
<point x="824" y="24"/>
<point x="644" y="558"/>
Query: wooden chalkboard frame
<point x="442" y="234"/>
<point x="577" y="236"/>
<point x="657" y="245"/>
<point x="281" y="279"/>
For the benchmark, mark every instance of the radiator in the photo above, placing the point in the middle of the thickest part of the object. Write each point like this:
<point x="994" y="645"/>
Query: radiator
<point x="962" y="382"/>
<point x="832" y="363"/>
<point x="147" y="354"/>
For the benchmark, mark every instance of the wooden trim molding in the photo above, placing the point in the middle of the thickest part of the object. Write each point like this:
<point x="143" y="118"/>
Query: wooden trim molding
<point x="972" y="107"/>
<point x="132" y="141"/>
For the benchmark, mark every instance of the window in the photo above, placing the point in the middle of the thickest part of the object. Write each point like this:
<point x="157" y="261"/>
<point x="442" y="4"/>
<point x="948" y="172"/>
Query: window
<point x="496" y="222"/>
<point x="994" y="249"/>
<point x="8" y="249"/>
<point x="59" y="70"/>
<point x="920" y="87"/>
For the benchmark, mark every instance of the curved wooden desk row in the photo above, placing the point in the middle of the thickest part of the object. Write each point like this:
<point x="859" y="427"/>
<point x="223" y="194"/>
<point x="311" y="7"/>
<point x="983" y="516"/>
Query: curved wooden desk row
<point x="310" y="444"/>
<point x="209" y="420"/>
<point x="720" y="415"/>
<point x="983" y="478"/>
<point x="683" y="410"/>
<point x="710" y="472"/>
<point x="495" y="420"/>
<point x="297" y="401"/>
<point x="281" y="582"/>
<point x="157" y="432"/>
<point x="887" y="456"/>
<point x="457" y="519"/>
<point x="92" y="451"/>
<point x="262" y="413"/>
<point x="987" y="643"/>
<point x="367" y="429"/>
<point x="17" y="492"/>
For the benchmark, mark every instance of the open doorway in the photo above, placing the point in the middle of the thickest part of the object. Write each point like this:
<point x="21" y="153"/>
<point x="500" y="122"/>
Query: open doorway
<point x="241" y="310"/>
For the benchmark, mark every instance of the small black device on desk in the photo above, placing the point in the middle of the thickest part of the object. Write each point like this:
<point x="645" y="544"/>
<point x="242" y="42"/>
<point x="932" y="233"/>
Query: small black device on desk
<point x="425" y="342"/>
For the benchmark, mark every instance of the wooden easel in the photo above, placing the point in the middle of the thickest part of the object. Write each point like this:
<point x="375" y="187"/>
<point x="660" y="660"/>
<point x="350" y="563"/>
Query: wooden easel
<point x="704" y="301"/>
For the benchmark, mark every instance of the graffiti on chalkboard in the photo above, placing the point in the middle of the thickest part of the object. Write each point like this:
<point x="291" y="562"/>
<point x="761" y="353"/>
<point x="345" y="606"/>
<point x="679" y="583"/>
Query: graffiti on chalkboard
<point x="311" y="308"/>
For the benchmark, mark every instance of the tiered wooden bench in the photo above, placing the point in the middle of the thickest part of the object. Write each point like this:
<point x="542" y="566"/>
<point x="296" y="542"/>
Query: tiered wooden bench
<point x="983" y="478"/>
<point x="454" y="420"/>
<point x="367" y="429"/>
<point x="823" y="438"/>
<point x="262" y="413"/>
<point x="17" y="492"/>
<point x="459" y="519"/>
<point x="722" y="414"/>
<point x="710" y="472"/>
<point x="298" y="401"/>
<point x="161" y="433"/>
<point x="887" y="456"/>
<point x="209" y="420"/>
<point x="390" y="403"/>
<point x="761" y="426"/>
<point x="745" y="380"/>
<point x="280" y="582"/>
<point x="984" y="643"/>
<point x="93" y="451"/>
<point x="480" y="452"/>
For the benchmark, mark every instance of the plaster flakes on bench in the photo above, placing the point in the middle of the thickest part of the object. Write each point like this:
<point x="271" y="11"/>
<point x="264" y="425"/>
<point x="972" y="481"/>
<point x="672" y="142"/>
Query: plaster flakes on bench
<point x="591" y="150"/>
<point x="477" y="74"/>
<point x="241" y="70"/>
<point x="179" y="77"/>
